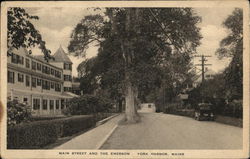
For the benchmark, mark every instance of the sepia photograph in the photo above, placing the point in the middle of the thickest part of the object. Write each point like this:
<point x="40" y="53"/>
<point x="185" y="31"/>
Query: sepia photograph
<point x="125" y="79"/>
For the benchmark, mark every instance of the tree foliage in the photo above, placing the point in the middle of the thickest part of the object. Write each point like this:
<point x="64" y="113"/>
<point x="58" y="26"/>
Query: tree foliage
<point x="232" y="47"/>
<point x="22" y="33"/>
<point x="139" y="47"/>
<point x="88" y="104"/>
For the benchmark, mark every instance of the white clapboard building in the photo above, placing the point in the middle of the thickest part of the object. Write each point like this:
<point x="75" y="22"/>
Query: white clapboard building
<point x="45" y="86"/>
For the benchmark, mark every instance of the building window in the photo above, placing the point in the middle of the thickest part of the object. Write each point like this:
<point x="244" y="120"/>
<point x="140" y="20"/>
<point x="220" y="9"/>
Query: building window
<point x="43" y="69"/>
<point x="39" y="82"/>
<point x="20" y="59"/>
<point x="52" y="85"/>
<point x="62" y="103"/>
<point x="58" y="87"/>
<point x="67" y="66"/>
<point x="14" y="58"/>
<point x="52" y="71"/>
<point x="38" y="66"/>
<point x="20" y="77"/>
<point x="27" y="80"/>
<point x="58" y="74"/>
<point x="27" y="63"/>
<point x="36" y="104"/>
<point x="11" y="77"/>
<point x="25" y="100"/>
<point x="51" y="104"/>
<point x="67" y="78"/>
<point x="33" y="65"/>
<point x="45" y="104"/>
<point x="45" y="84"/>
<point x="46" y="70"/>
<point x="67" y="89"/>
<point x="57" y="104"/>
<point x="33" y="82"/>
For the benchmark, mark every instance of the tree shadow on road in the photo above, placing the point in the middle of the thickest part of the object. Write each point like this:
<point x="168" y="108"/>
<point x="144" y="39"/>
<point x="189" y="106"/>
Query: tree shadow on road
<point x="123" y="121"/>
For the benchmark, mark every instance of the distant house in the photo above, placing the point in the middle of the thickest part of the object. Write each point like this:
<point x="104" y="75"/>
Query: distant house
<point x="45" y="86"/>
<point x="209" y="74"/>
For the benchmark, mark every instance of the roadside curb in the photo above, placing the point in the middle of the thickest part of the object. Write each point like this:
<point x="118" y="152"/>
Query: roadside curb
<point x="106" y="137"/>
<point x="105" y="120"/>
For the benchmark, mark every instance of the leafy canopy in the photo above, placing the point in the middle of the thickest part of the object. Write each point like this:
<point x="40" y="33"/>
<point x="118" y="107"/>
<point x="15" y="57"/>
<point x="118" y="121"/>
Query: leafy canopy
<point x="144" y="44"/>
<point x="232" y="47"/>
<point x="22" y="33"/>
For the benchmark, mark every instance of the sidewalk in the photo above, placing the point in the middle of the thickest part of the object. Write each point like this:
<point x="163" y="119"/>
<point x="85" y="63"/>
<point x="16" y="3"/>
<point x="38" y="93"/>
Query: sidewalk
<point x="94" y="138"/>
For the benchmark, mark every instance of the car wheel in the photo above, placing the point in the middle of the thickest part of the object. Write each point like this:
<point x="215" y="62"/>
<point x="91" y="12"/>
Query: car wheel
<point x="198" y="118"/>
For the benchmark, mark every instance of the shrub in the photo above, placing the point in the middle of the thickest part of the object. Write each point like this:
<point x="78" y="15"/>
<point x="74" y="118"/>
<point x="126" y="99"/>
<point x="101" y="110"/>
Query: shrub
<point x="75" y="124"/>
<point x="88" y="104"/>
<point x="31" y="135"/>
<point x="17" y="112"/>
<point x="40" y="118"/>
<point x="234" y="109"/>
<point x="40" y="133"/>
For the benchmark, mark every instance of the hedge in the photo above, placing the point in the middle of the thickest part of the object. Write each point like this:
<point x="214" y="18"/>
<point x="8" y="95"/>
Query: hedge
<point x="38" y="134"/>
<point x="39" y="118"/>
<point x="75" y="124"/>
<point x="32" y="135"/>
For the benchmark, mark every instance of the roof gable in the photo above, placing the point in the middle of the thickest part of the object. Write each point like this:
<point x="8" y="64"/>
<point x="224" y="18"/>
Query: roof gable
<point x="61" y="56"/>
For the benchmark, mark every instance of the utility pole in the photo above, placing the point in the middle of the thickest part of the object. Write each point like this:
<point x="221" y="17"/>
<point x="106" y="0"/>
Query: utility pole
<point x="203" y="64"/>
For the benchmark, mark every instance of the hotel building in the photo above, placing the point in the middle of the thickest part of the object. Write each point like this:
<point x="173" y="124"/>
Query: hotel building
<point x="45" y="86"/>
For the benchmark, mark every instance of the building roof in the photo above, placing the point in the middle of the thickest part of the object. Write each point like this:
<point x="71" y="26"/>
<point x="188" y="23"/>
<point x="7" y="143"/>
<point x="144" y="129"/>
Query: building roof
<point x="39" y="57"/>
<point x="20" y="50"/>
<point x="69" y="94"/>
<point x="61" y="56"/>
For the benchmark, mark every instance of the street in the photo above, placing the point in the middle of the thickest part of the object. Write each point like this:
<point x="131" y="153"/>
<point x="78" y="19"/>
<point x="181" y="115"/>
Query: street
<point x="165" y="131"/>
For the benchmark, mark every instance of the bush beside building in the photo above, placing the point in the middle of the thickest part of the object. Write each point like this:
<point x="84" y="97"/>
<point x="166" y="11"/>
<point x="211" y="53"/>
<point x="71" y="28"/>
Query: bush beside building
<point x="38" y="134"/>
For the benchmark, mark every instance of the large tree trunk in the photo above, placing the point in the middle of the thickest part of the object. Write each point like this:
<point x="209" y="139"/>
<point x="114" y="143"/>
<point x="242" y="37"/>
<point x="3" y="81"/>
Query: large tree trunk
<point x="131" y="93"/>
<point x="131" y="115"/>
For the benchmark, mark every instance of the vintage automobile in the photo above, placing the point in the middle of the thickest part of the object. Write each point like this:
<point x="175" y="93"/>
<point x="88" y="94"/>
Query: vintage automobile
<point x="204" y="112"/>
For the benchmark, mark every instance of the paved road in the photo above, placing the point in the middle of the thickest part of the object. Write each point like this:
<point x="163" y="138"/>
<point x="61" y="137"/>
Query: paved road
<point x="164" y="131"/>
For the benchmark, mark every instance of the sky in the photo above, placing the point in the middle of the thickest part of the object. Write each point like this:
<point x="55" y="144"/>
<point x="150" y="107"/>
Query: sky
<point x="56" y="25"/>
